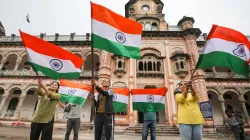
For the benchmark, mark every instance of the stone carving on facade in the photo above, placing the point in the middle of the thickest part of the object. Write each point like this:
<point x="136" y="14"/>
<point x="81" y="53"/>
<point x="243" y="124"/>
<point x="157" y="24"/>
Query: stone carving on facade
<point x="220" y="89"/>
<point x="159" y="8"/>
<point x="180" y="63"/>
<point x="131" y="9"/>
<point x="240" y="90"/>
<point x="120" y="65"/>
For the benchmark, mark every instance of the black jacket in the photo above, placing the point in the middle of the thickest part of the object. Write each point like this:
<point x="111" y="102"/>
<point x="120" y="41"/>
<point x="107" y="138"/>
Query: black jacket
<point x="109" y="109"/>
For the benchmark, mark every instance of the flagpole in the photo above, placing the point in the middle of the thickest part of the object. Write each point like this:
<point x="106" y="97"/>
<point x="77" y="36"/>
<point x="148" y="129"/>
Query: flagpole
<point x="92" y="62"/>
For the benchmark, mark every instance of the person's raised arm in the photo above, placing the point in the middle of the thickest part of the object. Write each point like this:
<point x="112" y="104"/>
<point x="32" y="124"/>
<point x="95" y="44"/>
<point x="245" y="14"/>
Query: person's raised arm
<point x="39" y="89"/>
<point x="100" y="90"/>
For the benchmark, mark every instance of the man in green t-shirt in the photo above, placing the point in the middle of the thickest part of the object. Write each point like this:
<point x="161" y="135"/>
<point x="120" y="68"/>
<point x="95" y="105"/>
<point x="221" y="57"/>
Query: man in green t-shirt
<point x="149" y="123"/>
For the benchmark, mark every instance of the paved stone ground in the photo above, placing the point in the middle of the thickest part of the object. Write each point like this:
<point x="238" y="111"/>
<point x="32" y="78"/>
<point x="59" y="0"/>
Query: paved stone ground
<point x="9" y="133"/>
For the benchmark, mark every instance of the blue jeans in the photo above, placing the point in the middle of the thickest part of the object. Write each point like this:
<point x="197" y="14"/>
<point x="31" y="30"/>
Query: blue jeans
<point x="190" y="131"/>
<point x="149" y="125"/>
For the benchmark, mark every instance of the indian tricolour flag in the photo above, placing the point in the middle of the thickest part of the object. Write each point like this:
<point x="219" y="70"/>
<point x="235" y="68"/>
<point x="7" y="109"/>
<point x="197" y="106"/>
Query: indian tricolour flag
<point x="120" y="99"/>
<point x="73" y="92"/>
<point x="51" y="60"/>
<point x="114" y="33"/>
<point x="226" y="47"/>
<point x="148" y="100"/>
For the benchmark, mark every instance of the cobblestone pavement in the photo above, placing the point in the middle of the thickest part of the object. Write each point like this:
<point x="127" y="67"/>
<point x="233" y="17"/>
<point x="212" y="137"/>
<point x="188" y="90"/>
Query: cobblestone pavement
<point x="8" y="133"/>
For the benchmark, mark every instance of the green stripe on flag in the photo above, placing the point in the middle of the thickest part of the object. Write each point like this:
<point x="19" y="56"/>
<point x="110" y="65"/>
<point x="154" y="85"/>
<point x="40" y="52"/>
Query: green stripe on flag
<point x="72" y="99"/>
<point x="147" y="107"/>
<point x="53" y="74"/>
<point x="116" y="48"/>
<point x="119" y="107"/>
<point x="222" y="59"/>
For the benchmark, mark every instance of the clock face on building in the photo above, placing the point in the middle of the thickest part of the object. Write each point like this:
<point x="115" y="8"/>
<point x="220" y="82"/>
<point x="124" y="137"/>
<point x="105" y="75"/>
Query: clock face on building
<point x="145" y="8"/>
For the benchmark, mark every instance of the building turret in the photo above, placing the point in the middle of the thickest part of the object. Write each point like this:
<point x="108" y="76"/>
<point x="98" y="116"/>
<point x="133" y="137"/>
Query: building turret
<point x="2" y="30"/>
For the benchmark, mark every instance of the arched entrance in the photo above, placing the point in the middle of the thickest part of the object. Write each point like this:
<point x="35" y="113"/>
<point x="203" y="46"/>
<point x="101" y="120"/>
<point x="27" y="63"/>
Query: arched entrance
<point x="141" y="114"/>
<point x="12" y="107"/>
<point x="12" y="102"/>
<point x="216" y="108"/>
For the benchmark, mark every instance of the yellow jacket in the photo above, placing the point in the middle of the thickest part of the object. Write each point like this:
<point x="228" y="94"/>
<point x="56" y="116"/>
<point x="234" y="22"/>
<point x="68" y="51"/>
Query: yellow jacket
<point x="188" y="109"/>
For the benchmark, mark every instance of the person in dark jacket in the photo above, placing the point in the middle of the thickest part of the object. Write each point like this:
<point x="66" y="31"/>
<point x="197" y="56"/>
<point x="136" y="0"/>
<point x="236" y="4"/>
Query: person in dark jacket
<point x="235" y="125"/>
<point x="104" y="111"/>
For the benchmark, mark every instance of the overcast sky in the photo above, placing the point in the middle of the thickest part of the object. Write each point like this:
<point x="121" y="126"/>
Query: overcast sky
<point x="68" y="16"/>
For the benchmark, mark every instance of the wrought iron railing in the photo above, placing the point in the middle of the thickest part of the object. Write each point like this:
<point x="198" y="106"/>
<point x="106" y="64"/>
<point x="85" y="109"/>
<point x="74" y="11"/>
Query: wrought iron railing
<point x="224" y="75"/>
<point x="27" y="73"/>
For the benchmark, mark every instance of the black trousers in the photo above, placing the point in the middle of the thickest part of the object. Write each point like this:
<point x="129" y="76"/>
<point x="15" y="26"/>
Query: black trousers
<point x="108" y="122"/>
<point x="73" y="123"/>
<point x="45" y="128"/>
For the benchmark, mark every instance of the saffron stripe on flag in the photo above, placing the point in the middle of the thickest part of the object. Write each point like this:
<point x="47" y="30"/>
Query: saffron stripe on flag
<point x="228" y="34"/>
<point x="43" y="47"/>
<point x="105" y="15"/>
<point x="157" y="91"/>
<point x="74" y="85"/>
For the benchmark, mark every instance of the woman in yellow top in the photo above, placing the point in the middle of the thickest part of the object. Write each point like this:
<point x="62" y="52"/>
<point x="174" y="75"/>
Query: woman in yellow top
<point x="43" y="120"/>
<point x="190" y="119"/>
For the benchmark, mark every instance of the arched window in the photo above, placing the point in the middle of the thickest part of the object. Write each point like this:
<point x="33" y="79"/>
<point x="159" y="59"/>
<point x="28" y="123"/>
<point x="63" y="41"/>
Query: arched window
<point x="182" y="65"/>
<point x="119" y="64"/>
<point x="148" y="27"/>
<point x="158" y="66"/>
<point x="145" y="66"/>
<point x="150" y="68"/>
<point x="154" y="27"/>
<point x="140" y="66"/>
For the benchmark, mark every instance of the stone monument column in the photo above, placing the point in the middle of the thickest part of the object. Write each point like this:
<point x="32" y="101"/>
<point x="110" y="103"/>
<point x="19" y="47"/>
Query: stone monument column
<point x="191" y="34"/>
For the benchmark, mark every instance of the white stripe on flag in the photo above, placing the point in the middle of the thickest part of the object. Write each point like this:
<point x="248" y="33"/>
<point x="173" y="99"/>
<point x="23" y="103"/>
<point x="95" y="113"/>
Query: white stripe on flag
<point x="221" y="45"/>
<point x="148" y="98"/>
<point x="120" y="98"/>
<point x="44" y="60"/>
<point x="110" y="33"/>
<point x="74" y="91"/>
